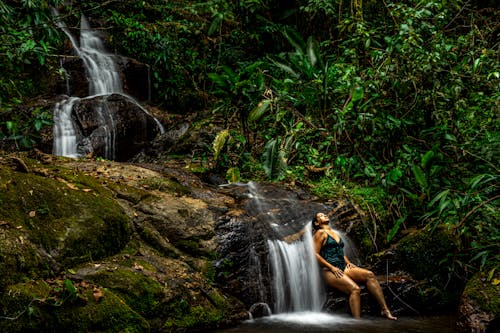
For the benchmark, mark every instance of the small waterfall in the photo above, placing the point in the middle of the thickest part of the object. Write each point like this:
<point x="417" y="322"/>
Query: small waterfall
<point x="104" y="79"/>
<point x="64" y="131"/>
<point x="297" y="283"/>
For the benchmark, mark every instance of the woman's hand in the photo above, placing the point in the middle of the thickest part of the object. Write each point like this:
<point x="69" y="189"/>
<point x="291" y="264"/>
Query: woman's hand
<point x="337" y="272"/>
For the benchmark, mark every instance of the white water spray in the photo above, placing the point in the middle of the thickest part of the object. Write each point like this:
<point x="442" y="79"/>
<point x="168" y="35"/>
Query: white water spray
<point x="64" y="131"/>
<point x="104" y="79"/>
<point x="297" y="283"/>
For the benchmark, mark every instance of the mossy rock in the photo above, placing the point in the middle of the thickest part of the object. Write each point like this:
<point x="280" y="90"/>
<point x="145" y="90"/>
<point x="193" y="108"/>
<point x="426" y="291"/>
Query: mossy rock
<point x="59" y="215"/>
<point x="35" y="309"/>
<point x="19" y="258"/>
<point x="422" y="253"/>
<point x="216" y="311"/>
<point x="142" y="293"/>
<point x="480" y="304"/>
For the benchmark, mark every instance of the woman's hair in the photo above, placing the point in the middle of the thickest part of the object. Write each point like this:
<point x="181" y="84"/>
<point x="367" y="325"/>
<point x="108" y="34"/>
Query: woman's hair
<point x="314" y="226"/>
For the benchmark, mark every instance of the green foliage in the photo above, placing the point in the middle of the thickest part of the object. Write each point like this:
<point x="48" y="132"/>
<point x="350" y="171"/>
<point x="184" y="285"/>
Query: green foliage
<point x="23" y="130"/>
<point x="274" y="159"/>
<point x="27" y="40"/>
<point x="403" y="98"/>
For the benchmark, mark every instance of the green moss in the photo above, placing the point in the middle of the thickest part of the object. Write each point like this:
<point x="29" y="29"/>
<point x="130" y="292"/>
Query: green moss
<point x="38" y="312"/>
<point x="129" y="193"/>
<point x="165" y="185"/>
<point x="182" y="316"/>
<point x="19" y="259"/>
<point x="485" y="292"/>
<point x="421" y="253"/>
<point x="142" y="293"/>
<point x="74" y="222"/>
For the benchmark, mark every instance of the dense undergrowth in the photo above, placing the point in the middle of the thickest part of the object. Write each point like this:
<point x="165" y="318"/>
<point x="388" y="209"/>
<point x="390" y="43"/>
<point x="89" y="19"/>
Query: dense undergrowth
<point x="394" y="103"/>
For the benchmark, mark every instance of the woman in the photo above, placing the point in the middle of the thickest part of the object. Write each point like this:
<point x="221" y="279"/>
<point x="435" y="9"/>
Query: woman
<point x="339" y="272"/>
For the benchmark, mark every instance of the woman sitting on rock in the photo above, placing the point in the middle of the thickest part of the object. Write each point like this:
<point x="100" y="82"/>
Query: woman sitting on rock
<point x="339" y="272"/>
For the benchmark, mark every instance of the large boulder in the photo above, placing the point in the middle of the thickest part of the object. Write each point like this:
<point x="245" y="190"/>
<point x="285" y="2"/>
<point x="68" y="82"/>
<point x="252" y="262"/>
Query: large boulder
<point x="52" y="219"/>
<point x="85" y="241"/>
<point x="114" y="127"/>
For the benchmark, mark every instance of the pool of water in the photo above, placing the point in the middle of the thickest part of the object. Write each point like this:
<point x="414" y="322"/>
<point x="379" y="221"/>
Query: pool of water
<point x="312" y="322"/>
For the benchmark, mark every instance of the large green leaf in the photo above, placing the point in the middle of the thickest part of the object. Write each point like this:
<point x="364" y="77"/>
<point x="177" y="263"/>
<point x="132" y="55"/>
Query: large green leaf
<point x="259" y="110"/>
<point x="274" y="161"/>
<point x="219" y="142"/>
<point x="296" y="40"/>
<point x="420" y="176"/>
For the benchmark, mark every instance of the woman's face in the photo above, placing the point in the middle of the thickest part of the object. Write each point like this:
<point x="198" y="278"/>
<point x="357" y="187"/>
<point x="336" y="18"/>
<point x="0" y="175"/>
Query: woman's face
<point x="322" y="219"/>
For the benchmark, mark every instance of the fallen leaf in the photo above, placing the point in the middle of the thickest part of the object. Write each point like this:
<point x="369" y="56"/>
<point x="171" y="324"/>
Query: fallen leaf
<point x="98" y="294"/>
<point x="3" y="223"/>
<point x="87" y="190"/>
<point x="495" y="282"/>
<point x="138" y="267"/>
<point x="71" y="271"/>
<point x="21" y="239"/>
<point x="32" y="213"/>
<point x="19" y="227"/>
<point x="71" y="186"/>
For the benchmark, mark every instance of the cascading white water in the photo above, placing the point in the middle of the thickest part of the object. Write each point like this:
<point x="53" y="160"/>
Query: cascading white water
<point x="101" y="69"/>
<point x="104" y="79"/>
<point x="297" y="283"/>
<point x="64" y="131"/>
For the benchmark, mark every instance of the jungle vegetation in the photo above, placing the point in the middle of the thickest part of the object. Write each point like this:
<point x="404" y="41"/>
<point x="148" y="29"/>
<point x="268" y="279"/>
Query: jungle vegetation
<point x="395" y="102"/>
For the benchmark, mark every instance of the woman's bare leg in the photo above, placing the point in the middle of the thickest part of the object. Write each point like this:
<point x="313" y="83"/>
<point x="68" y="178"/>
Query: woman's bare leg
<point x="367" y="277"/>
<point x="346" y="285"/>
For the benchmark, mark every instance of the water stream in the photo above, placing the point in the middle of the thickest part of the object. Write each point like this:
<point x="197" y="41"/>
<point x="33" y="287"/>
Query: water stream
<point x="104" y="79"/>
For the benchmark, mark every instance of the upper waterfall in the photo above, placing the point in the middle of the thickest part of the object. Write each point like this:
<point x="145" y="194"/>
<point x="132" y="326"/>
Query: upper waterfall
<point x="100" y="66"/>
<point x="94" y="124"/>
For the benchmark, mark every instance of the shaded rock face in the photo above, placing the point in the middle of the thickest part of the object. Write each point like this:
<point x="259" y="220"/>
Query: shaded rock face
<point x="114" y="127"/>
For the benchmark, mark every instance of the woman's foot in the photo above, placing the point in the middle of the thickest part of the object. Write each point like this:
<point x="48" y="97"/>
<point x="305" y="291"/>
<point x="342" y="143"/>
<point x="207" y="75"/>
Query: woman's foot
<point x="386" y="313"/>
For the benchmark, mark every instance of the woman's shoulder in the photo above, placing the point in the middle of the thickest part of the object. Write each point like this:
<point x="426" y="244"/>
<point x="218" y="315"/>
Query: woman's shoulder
<point x="320" y="233"/>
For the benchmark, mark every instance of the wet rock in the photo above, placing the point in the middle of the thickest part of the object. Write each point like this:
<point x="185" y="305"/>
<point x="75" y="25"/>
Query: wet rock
<point x="259" y="310"/>
<point x="114" y="127"/>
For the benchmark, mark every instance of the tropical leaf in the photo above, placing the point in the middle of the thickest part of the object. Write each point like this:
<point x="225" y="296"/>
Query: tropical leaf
<point x="219" y="142"/>
<point x="420" y="176"/>
<point x="296" y="40"/>
<point x="394" y="230"/>
<point x="285" y="68"/>
<point x="274" y="162"/>
<point x="233" y="175"/>
<point x="259" y="110"/>
<point x="427" y="158"/>
<point x="216" y="23"/>
<point x="313" y="52"/>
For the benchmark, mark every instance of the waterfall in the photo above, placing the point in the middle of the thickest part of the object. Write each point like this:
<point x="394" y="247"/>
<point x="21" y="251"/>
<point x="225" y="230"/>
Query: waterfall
<point x="104" y="79"/>
<point x="297" y="284"/>
<point x="64" y="131"/>
<point x="100" y="67"/>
